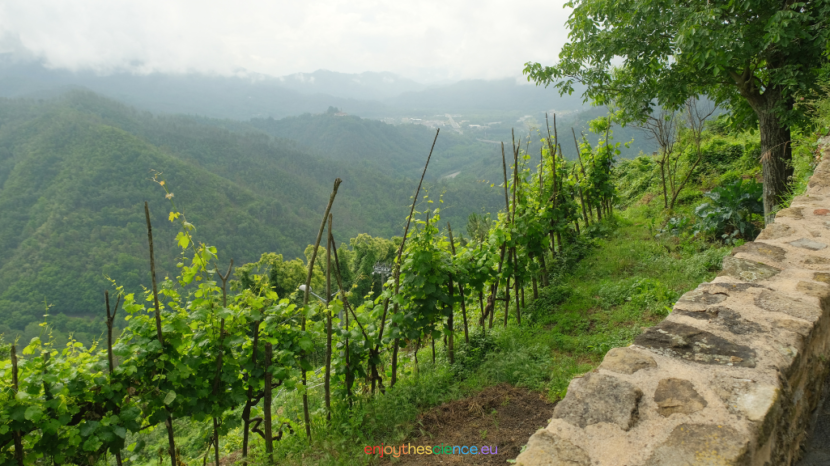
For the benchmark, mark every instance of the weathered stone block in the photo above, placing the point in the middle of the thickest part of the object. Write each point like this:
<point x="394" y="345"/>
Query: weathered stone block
<point x="698" y="300"/>
<point x="805" y="243"/>
<point x="775" y="231"/>
<point x="817" y="260"/>
<point x="732" y="321"/>
<point x="692" y="344"/>
<point x="600" y="398"/>
<point x="677" y="396"/>
<point x="746" y="270"/>
<point x="816" y="290"/>
<point x="762" y="249"/>
<point x="701" y="445"/>
<point x="626" y="361"/>
<point x="792" y="212"/>
<point x="776" y="302"/>
<point x="548" y="449"/>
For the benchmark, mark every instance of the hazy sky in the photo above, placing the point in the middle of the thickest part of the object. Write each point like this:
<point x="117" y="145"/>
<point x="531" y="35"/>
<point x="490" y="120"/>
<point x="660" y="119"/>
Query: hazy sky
<point x="425" y="40"/>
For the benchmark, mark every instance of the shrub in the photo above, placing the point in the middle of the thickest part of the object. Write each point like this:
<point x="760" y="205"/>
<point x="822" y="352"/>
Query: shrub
<point x="729" y="213"/>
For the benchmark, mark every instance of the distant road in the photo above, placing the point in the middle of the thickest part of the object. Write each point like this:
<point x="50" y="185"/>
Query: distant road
<point x="487" y="140"/>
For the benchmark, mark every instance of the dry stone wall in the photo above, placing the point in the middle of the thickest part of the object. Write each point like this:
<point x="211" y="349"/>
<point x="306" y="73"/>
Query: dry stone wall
<point x="731" y="377"/>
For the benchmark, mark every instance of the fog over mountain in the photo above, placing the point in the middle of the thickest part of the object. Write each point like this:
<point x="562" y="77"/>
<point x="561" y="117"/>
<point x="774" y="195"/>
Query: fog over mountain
<point x="368" y="94"/>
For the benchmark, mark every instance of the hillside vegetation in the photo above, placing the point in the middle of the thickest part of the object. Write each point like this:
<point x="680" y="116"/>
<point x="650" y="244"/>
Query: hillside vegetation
<point x="74" y="173"/>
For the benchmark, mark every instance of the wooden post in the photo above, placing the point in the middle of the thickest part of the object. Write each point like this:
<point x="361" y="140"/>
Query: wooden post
<point x="171" y="441"/>
<point x="269" y="437"/>
<point x="217" y="377"/>
<point x="397" y="275"/>
<point x="250" y="401"/>
<point x="460" y="290"/>
<point x="451" y="337"/>
<point x="18" y="441"/>
<point x="110" y="322"/>
<point x="306" y="294"/>
<point x="507" y="295"/>
<point x="327" y="380"/>
<point x="517" y="284"/>
<point x="494" y="289"/>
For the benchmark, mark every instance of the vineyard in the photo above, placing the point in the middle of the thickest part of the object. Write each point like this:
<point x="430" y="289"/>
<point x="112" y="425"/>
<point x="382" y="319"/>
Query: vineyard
<point x="203" y="346"/>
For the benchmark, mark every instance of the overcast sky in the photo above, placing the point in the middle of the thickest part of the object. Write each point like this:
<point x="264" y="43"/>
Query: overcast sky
<point x="426" y="40"/>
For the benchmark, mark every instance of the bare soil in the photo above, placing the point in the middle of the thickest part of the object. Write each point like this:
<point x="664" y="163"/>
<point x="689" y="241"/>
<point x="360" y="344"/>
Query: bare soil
<point x="502" y="416"/>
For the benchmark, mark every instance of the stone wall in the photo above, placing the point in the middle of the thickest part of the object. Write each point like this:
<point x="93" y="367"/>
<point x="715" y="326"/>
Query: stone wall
<point x="730" y="377"/>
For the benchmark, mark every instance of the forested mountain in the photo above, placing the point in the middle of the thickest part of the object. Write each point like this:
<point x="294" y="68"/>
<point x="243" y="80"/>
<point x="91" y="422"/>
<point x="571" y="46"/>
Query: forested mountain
<point x="75" y="172"/>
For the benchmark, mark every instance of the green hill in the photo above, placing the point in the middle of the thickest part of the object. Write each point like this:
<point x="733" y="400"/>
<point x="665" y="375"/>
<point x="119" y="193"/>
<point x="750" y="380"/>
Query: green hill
<point x="75" y="172"/>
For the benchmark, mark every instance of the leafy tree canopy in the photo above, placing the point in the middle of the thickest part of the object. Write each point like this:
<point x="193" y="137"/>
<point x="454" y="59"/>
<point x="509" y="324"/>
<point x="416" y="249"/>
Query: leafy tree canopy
<point x="638" y="53"/>
<point x="753" y="57"/>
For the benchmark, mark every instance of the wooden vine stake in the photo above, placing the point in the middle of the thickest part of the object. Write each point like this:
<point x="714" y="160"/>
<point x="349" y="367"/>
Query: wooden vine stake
<point x="397" y="275"/>
<point x="110" y="321"/>
<point x="217" y="379"/>
<point x="171" y="441"/>
<point x="582" y="168"/>
<point x="516" y="149"/>
<point x="307" y="292"/>
<point x="269" y="437"/>
<point x="327" y="380"/>
<point x="18" y="441"/>
<point x="460" y="290"/>
<point x="250" y="399"/>
<point x="494" y="289"/>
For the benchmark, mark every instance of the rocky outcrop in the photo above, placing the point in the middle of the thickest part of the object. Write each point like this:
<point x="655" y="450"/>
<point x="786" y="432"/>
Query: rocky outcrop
<point x="731" y="377"/>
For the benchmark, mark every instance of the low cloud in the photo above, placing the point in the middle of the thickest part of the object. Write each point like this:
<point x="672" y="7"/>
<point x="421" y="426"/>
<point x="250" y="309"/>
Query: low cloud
<point x="428" y="40"/>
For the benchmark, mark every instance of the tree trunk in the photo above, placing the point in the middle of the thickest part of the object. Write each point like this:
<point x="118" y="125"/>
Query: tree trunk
<point x="776" y="160"/>
<point x="535" y="289"/>
<point x="544" y="269"/>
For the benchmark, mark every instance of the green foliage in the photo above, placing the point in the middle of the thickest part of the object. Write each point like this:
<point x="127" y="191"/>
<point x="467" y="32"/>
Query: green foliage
<point x="672" y="51"/>
<point x="729" y="213"/>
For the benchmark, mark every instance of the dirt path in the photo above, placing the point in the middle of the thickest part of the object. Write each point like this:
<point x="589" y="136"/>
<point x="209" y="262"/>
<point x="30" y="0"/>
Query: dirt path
<point x="502" y="416"/>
